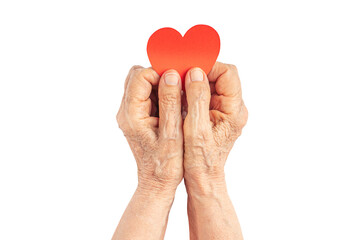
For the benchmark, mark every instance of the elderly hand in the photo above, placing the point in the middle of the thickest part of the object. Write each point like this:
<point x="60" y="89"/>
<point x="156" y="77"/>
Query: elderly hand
<point x="216" y="116"/>
<point x="152" y="125"/>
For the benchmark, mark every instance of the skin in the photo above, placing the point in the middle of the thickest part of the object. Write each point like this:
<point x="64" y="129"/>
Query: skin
<point x="167" y="149"/>
<point x="210" y="133"/>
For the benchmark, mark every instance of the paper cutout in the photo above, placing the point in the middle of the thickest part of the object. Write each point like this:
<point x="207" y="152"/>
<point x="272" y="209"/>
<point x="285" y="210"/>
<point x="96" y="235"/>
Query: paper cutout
<point x="199" y="47"/>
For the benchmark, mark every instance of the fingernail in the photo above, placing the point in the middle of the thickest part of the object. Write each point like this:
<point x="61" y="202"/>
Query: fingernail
<point x="171" y="79"/>
<point x="196" y="75"/>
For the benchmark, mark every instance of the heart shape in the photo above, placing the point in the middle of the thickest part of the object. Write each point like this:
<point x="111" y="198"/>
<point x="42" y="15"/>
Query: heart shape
<point x="199" y="47"/>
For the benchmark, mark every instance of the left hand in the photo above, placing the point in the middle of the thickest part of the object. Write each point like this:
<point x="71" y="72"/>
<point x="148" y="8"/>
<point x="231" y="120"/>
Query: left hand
<point x="215" y="119"/>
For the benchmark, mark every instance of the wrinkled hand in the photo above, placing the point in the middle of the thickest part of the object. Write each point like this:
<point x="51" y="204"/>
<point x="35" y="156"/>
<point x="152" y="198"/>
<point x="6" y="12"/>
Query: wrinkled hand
<point x="150" y="118"/>
<point x="210" y="132"/>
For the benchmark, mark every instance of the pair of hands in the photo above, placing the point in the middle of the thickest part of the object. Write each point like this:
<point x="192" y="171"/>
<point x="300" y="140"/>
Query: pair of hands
<point x="168" y="148"/>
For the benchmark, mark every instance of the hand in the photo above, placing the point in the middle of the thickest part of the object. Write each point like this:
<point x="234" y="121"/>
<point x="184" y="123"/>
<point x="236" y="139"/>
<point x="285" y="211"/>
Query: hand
<point x="153" y="127"/>
<point x="216" y="116"/>
<point x="157" y="144"/>
<point x="210" y="134"/>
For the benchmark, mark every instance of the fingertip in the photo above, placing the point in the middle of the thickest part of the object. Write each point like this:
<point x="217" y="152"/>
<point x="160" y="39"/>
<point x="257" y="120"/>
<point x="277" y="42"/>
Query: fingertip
<point x="169" y="91"/>
<point x="195" y="75"/>
<point x="171" y="78"/>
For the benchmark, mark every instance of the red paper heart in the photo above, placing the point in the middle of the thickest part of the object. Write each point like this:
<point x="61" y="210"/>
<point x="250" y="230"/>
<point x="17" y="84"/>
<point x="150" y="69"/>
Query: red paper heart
<point x="199" y="47"/>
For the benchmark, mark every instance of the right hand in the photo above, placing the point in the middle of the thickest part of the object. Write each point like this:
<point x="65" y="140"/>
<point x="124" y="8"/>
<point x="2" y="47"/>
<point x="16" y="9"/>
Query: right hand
<point x="210" y="134"/>
<point x="156" y="139"/>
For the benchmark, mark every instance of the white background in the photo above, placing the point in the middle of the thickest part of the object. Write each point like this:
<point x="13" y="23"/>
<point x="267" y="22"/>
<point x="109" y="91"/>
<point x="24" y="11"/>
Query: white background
<point x="66" y="171"/>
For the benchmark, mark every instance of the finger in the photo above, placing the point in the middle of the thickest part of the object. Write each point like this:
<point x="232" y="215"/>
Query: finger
<point x="137" y="93"/>
<point x="227" y="97"/>
<point x="226" y="79"/>
<point x="198" y="98"/>
<point x="170" y="120"/>
<point x="130" y="73"/>
<point x="226" y="105"/>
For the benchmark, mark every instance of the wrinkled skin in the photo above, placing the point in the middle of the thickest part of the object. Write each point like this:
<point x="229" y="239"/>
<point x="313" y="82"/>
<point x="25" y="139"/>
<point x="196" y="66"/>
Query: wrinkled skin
<point x="166" y="149"/>
<point x="216" y="116"/>
<point x="153" y="128"/>
<point x="210" y="134"/>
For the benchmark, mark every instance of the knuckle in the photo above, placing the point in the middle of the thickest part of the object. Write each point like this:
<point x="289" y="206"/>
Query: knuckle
<point x="144" y="72"/>
<point x="135" y="68"/>
<point x="169" y="99"/>
<point x="200" y="93"/>
<point x="135" y="71"/>
<point x="232" y="67"/>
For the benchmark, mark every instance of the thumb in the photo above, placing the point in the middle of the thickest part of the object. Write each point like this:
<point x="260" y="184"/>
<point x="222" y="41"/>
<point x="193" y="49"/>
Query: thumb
<point x="170" y="120"/>
<point x="198" y="96"/>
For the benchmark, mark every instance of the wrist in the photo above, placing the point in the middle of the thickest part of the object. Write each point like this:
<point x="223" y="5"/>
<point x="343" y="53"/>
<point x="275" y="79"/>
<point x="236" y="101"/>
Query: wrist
<point x="205" y="183"/>
<point x="152" y="188"/>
